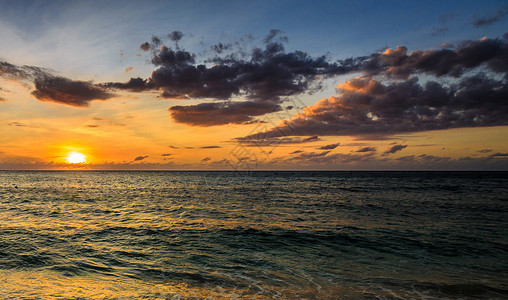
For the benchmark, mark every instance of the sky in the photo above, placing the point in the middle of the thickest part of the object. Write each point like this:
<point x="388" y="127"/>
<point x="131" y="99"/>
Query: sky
<point x="253" y="85"/>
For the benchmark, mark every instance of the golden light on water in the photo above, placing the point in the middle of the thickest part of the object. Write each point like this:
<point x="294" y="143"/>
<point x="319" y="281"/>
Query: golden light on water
<point x="76" y="158"/>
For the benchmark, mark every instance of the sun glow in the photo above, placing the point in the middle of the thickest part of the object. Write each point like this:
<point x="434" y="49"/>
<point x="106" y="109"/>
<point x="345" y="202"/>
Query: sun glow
<point x="76" y="158"/>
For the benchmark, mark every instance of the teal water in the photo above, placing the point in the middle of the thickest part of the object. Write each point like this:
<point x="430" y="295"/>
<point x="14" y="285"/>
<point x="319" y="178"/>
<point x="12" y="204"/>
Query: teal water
<point x="222" y="235"/>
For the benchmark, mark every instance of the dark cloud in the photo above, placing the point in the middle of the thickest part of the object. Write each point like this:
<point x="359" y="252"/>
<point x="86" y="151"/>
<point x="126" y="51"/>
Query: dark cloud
<point x="432" y="158"/>
<point x="394" y="149"/>
<point x="296" y="152"/>
<point x="206" y="159"/>
<point x="498" y="155"/>
<point x="329" y="147"/>
<point x="309" y="155"/>
<point x="260" y="141"/>
<point x="49" y="87"/>
<point x="272" y="73"/>
<point x="145" y="46"/>
<point x="484" y="151"/>
<point x="210" y="114"/>
<point x="221" y="47"/>
<point x="174" y="147"/>
<point x="491" y="53"/>
<point x="488" y="20"/>
<point x="210" y="147"/>
<point x="156" y="41"/>
<point x="166" y="154"/>
<point x="275" y="35"/>
<point x="366" y="149"/>
<point x="175" y="36"/>
<point x="263" y="75"/>
<point x="18" y="124"/>
<point x="366" y="106"/>
<point x="65" y="91"/>
<point x="138" y="158"/>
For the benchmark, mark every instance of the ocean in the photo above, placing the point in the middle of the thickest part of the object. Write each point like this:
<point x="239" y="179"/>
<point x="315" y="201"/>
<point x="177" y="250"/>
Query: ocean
<point x="256" y="235"/>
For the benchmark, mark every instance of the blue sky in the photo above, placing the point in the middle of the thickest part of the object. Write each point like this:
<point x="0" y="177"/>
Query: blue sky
<point x="89" y="35"/>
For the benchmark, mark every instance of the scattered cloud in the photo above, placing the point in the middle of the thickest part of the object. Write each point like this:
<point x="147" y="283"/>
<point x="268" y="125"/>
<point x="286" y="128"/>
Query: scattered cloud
<point x="210" y="147"/>
<point x="18" y="124"/>
<point x="166" y="154"/>
<point x="139" y="158"/>
<point x="366" y="149"/>
<point x="394" y="149"/>
<point x="206" y="159"/>
<point x="128" y="69"/>
<point x="260" y="141"/>
<point x="491" y="19"/>
<point x="175" y="36"/>
<point x="484" y="151"/>
<point x="498" y="155"/>
<point x="329" y="147"/>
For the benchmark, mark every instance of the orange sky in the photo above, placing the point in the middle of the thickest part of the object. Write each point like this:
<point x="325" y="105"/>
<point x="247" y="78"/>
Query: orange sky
<point x="129" y="90"/>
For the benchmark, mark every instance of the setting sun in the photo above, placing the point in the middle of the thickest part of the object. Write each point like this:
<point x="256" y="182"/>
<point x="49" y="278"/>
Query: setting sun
<point x="76" y="158"/>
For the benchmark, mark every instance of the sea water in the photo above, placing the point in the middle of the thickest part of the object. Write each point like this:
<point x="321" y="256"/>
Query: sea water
<point x="261" y="235"/>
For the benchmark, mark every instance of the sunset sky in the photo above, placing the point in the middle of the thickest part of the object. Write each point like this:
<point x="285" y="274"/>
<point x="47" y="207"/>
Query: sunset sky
<point x="254" y="85"/>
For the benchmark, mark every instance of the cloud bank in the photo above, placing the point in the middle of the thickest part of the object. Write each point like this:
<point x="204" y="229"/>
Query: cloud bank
<point x="409" y="92"/>
<point x="265" y="77"/>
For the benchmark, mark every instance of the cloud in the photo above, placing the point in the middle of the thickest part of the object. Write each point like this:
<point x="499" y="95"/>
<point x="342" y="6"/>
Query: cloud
<point x="484" y="151"/>
<point x="309" y="155"/>
<point x="494" y="18"/>
<point x="221" y="47"/>
<point x="366" y="149"/>
<point x="128" y="69"/>
<point x="273" y="34"/>
<point x="263" y="76"/>
<point x="397" y="63"/>
<point x="371" y="106"/>
<point x="394" y="149"/>
<point x="52" y="88"/>
<point x="138" y="158"/>
<point x="166" y="154"/>
<point x="329" y="147"/>
<point x="296" y="152"/>
<point x="439" y="31"/>
<point x="174" y="147"/>
<point x="210" y="147"/>
<point x="65" y="91"/>
<point x="18" y="124"/>
<point x="175" y="36"/>
<point x="211" y="114"/>
<point x="260" y="141"/>
<point x="145" y="46"/>
<point x="498" y="154"/>
<point x="206" y="159"/>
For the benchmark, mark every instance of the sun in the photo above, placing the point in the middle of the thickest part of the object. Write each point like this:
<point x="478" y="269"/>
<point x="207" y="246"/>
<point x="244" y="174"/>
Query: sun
<point x="76" y="158"/>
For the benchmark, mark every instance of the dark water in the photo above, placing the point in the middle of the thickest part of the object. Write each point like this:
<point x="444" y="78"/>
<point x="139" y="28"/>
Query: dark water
<point x="313" y="235"/>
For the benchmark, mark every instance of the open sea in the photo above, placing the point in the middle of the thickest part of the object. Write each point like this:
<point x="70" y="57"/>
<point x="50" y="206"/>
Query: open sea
<point x="258" y="235"/>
